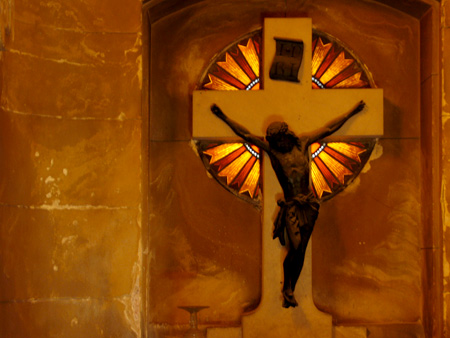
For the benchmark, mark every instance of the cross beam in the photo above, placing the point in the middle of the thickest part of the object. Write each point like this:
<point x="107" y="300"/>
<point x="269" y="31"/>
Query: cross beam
<point x="303" y="108"/>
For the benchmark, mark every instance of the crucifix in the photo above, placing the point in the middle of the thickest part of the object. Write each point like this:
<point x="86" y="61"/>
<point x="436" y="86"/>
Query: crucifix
<point x="304" y="109"/>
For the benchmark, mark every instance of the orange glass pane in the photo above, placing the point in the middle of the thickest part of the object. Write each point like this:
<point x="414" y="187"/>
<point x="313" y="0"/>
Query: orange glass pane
<point x="320" y="185"/>
<point x="314" y="147"/>
<point x="218" y="84"/>
<point x="338" y="170"/>
<point x="319" y="54"/>
<point x="251" y="55"/>
<point x="347" y="149"/>
<point x="338" y="65"/>
<point x="332" y="54"/>
<point x="251" y="183"/>
<point x="235" y="70"/>
<point x="233" y="169"/>
<point x="352" y="82"/>
<point x="222" y="163"/>
<point x="221" y="151"/>
<point x="327" y="174"/>
<point x="333" y="66"/>
<point x="240" y="178"/>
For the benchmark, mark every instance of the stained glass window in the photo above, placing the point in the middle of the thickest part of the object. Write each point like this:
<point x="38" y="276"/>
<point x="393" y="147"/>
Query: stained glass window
<point x="334" y="164"/>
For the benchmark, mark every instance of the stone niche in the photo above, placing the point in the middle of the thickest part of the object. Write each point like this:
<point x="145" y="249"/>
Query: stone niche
<point x="374" y="261"/>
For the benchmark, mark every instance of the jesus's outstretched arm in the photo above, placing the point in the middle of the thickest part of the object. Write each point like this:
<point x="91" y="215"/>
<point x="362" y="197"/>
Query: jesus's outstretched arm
<point x="240" y="130"/>
<point x="333" y="126"/>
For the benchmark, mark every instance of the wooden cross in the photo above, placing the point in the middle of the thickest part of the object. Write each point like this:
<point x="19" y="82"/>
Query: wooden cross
<point x="304" y="109"/>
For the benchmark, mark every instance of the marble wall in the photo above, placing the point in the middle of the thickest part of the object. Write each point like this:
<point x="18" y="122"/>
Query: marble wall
<point x="71" y="169"/>
<point x="81" y="152"/>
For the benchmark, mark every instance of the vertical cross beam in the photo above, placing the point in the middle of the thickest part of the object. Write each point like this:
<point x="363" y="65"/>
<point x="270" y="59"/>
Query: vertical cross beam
<point x="304" y="109"/>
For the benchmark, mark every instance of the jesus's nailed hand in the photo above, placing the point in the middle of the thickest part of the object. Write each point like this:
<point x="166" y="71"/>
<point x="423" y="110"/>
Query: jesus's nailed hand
<point x="217" y="111"/>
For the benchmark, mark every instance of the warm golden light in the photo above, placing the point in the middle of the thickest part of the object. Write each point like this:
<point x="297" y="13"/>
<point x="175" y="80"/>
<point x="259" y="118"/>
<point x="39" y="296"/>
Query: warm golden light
<point x="319" y="54"/>
<point x="333" y="163"/>
<point x="251" y="55"/>
<point x="219" y="152"/>
<point x="231" y="66"/>
<point x="338" y="65"/>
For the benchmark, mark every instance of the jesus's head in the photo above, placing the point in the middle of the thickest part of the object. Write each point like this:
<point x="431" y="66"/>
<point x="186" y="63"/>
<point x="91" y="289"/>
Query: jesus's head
<point x="280" y="137"/>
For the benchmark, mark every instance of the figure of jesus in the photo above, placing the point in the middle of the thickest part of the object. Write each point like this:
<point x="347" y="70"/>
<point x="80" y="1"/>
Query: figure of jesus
<point x="290" y="157"/>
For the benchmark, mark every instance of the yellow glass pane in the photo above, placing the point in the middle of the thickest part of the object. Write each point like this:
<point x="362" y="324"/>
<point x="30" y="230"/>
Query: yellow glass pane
<point x="233" y="169"/>
<point x="232" y="67"/>
<point x="353" y="81"/>
<point x="256" y="87"/>
<point x="252" y="180"/>
<point x="314" y="147"/>
<point x="218" y="84"/>
<point x="347" y="149"/>
<point x="338" y="65"/>
<point x="319" y="182"/>
<point x="337" y="168"/>
<point x="251" y="56"/>
<point x="219" y="152"/>
<point x="319" y="54"/>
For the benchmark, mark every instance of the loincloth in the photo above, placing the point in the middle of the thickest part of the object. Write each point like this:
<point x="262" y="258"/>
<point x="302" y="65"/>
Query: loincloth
<point x="297" y="216"/>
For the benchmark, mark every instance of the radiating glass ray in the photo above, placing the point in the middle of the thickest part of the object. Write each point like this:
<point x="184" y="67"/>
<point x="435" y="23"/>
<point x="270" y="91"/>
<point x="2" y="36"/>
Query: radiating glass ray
<point x="352" y="82"/>
<point x="233" y="169"/>
<point x="341" y="158"/>
<point x="335" y="167"/>
<point x="319" y="54"/>
<point x="218" y="84"/>
<point x="320" y="184"/>
<point x="235" y="70"/>
<point x="323" y="67"/>
<point x="347" y="149"/>
<point x="221" y="151"/>
<point x="332" y="163"/>
<point x="225" y="76"/>
<point x="219" y="165"/>
<point x="240" y="178"/>
<point x="338" y="65"/>
<point x="251" y="55"/>
<point x="332" y="181"/>
<point x="251" y="183"/>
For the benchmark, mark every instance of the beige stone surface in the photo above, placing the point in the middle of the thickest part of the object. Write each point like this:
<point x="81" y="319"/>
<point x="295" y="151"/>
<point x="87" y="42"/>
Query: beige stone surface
<point x="387" y="42"/>
<point x="206" y="246"/>
<point x="177" y="63"/>
<point x="296" y="103"/>
<point x="66" y="88"/>
<point x="367" y="256"/>
<point x="396" y="331"/>
<point x="71" y="318"/>
<point x="229" y="332"/>
<point x="112" y="17"/>
<point x="88" y="48"/>
<point x="349" y="332"/>
<point x="71" y="182"/>
<point x="69" y="162"/>
<point x="49" y="254"/>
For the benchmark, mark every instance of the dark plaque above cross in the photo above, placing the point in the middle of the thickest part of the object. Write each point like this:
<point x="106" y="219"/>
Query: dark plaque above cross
<point x="287" y="95"/>
<point x="287" y="61"/>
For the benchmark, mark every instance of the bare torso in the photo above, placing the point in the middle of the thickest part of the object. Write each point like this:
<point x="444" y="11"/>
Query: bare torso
<point x="293" y="169"/>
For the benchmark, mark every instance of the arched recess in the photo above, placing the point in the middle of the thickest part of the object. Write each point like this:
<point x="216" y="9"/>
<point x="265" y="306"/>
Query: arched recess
<point x="393" y="232"/>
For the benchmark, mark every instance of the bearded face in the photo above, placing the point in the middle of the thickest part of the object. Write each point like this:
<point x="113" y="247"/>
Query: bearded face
<point x="280" y="137"/>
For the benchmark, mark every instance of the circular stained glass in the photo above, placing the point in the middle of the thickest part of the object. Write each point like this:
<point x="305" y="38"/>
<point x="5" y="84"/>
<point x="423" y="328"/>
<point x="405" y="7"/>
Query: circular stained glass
<point x="334" y="164"/>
